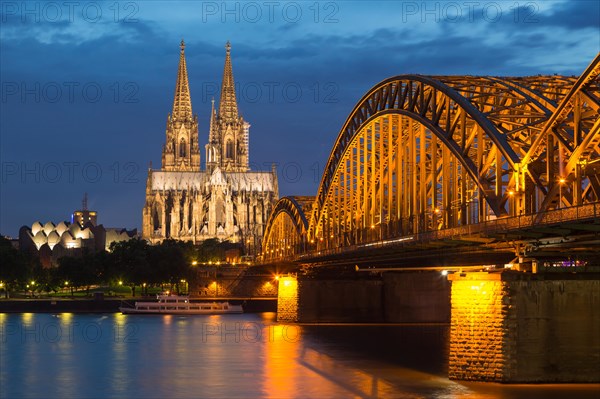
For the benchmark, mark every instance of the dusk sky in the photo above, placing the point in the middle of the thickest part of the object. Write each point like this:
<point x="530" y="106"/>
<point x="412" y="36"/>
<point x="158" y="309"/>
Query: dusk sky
<point x="87" y="86"/>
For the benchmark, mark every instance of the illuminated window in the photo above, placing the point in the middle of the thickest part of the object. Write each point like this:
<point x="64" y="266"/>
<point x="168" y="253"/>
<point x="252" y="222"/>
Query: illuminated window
<point x="229" y="150"/>
<point x="182" y="148"/>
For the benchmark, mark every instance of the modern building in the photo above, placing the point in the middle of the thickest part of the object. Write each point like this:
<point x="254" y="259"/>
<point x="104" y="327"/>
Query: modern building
<point x="225" y="200"/>
<point x="52" y="241"/>
<point x="84" y="215"/>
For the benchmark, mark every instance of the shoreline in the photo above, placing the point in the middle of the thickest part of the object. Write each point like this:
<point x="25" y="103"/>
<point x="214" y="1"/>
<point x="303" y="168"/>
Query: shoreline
<point x="68" y="305"/>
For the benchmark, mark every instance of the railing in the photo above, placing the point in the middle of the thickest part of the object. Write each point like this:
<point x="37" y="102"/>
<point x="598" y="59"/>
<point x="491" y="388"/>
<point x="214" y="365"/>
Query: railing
<point x="513" y="223"/>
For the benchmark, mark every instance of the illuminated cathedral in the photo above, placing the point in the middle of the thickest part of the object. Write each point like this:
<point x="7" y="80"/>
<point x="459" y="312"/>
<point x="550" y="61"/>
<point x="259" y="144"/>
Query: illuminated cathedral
<point x="225" y="200"/>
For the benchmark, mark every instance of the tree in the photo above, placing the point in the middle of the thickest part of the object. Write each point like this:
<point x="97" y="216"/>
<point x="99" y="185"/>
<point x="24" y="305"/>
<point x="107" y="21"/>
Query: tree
<point x="78" y="271"/>
<point x="14" y="267"/>
<point x="130" y="261"/>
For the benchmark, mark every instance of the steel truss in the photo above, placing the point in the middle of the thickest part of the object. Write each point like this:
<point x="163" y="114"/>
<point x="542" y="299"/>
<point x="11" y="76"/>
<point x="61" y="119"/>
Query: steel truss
<point x="424" y="153"/>
<point x="287" y="228"/>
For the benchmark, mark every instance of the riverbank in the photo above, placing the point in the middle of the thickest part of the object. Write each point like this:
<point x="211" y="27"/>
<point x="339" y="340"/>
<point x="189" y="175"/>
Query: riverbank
<point x="67" y="305"/>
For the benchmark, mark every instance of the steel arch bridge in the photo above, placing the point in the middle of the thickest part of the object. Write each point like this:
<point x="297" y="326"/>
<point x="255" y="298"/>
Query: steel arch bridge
<point x="287" y="227"/>
<point x="427" y="153"/>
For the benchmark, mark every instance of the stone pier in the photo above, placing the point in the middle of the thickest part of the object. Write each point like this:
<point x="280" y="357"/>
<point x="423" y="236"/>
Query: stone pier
<point x="395" y="297"/>
<point x="521" y="327"/>
<point x="287" y="299"/>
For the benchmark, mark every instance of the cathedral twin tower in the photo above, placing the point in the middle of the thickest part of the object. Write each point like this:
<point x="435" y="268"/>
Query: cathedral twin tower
<point x="225" y="200"/>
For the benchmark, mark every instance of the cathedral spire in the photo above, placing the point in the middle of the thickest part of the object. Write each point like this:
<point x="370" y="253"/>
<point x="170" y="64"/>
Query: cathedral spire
<point x="182" y="104"/>
<point x="228" y="107"/>
<point x="212" y="137"/>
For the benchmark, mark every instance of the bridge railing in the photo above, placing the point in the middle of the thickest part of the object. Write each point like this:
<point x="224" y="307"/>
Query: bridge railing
<point x="507" y="224"/>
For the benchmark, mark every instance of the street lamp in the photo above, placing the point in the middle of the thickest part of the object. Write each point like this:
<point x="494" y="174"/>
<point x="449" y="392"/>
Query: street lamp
<point x="185" y="286"/>
<point x="437" y="212"/>
<point x="561" y="181"/>
<point x="511" y="193"/>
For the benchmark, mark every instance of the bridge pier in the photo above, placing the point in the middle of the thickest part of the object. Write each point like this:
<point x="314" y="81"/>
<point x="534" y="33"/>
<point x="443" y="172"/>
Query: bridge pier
<point x="395" y="297"/>
<point x="519" y="327"/>
<point x="287" y="299"/>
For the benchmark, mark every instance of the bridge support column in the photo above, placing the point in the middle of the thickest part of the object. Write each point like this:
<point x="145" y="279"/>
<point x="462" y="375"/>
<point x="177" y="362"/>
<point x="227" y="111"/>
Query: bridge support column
<point x="519" y="327"/>
<point x="287" y="299"/>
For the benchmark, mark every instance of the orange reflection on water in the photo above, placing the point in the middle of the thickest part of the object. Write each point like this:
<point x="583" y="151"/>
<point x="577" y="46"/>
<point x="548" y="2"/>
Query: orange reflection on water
<point x="280" y="368"/>
<point x="296" y="368"/>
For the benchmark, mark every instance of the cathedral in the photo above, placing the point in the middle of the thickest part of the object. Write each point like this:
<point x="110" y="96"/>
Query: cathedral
<point x="225" y="200"/>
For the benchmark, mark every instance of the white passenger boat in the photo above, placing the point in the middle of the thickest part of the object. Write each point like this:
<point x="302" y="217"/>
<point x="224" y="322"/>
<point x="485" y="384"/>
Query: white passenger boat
<point x="174" y="304"/>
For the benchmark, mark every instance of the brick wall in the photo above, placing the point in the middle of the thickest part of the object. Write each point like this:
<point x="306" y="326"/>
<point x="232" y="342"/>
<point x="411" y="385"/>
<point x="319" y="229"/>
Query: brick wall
<point x="522" y="327"/>
<point x="287" y="299"/>
<point x="478" y="327"/>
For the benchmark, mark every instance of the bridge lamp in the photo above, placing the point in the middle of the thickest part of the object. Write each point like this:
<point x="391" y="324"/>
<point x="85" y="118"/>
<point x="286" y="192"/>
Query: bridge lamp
<point x="194" y="263"/>
<point x="444" y="272"/>
<point x="561" y="181"/>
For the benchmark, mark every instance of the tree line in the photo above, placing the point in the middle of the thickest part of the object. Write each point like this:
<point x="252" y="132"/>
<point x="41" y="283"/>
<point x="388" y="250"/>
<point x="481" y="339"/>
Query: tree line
<point x="131" y="263"/>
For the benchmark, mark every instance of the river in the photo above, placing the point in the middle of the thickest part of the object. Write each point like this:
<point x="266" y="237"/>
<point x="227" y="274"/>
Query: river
<point x="233" y="356"/>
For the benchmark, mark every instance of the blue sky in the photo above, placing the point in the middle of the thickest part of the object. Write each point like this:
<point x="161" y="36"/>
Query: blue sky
<point x="87" y="86"/>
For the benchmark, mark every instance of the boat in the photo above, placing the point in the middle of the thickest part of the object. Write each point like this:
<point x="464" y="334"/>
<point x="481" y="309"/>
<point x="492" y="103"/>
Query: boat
<point x="175" y="304"/>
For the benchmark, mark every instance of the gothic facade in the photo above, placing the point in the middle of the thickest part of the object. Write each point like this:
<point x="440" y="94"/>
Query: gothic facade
<point x="225" y="200"/>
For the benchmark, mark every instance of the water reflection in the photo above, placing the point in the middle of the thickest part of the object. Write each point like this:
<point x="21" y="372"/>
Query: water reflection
<point x="280" y="374"/>
<point x="247" y="355"/>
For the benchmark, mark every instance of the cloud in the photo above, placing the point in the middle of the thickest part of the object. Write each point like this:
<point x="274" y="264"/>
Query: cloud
<point x="572" y="15"/>
<point x="334" y="65"/>
<point x="70" y="23"/>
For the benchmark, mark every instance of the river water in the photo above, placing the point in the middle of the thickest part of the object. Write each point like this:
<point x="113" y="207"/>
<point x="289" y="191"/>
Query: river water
<point x="233" y="356"/>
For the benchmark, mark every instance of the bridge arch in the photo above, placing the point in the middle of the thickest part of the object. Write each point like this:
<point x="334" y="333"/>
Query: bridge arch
<point x="569" y="145"/>
<point x="419" y="153"/>
<point x="287" y="226"/>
